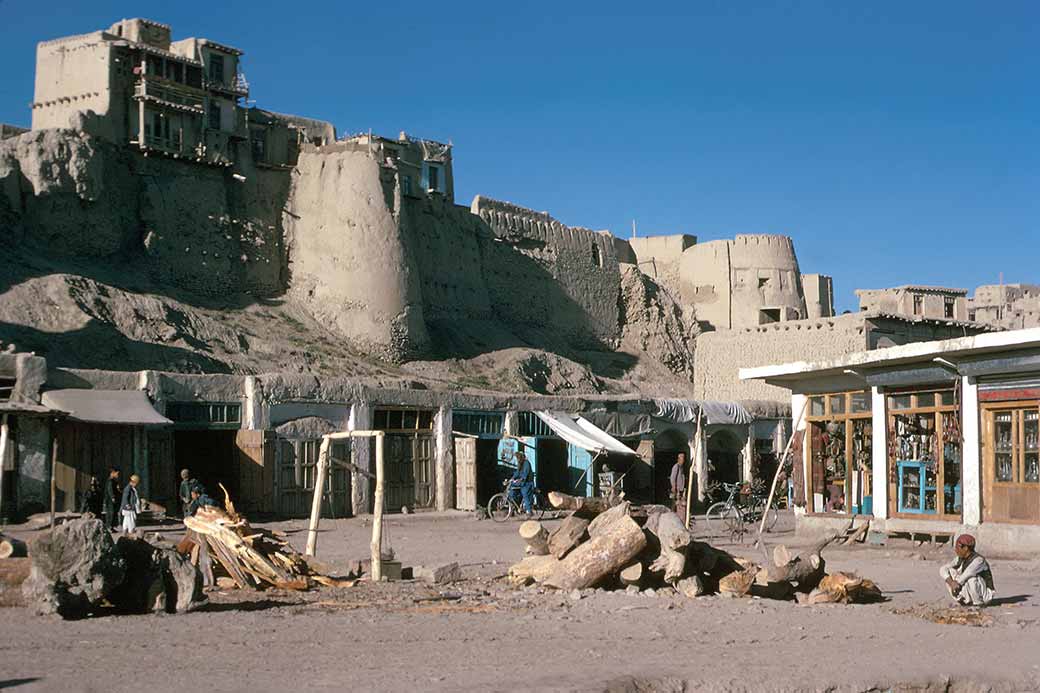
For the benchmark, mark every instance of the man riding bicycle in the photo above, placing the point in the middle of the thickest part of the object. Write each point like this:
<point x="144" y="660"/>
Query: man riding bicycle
<point x="522" y="481"/>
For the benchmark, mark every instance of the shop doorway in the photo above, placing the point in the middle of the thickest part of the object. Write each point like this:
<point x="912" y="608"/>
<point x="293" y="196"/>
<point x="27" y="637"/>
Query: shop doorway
<point x="667" y="447"/>
<point x="487" y="470"/>
<point x="212" y="457"/>
<point x="724" y="451"/>
<point x="553" y="473"/>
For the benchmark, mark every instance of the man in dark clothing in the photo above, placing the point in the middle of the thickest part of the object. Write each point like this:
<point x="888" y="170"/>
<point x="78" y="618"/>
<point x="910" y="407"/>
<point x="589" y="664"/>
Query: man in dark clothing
<point x="677" y="478"/>
<point x="199" y="499"/>
<point x="187" y="483"/>
<point x="92" y="500"/>
<point x="523" y="479"/>
<point x="112" y="498"/>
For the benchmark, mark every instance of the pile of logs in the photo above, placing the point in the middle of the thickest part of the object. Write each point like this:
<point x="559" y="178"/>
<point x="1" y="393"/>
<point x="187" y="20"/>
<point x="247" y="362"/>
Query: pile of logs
<point x="254" y="558"/>
<point x="642" y="547"/>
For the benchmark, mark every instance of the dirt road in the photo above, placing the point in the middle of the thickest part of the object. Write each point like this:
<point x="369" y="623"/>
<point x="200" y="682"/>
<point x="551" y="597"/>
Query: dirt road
<point x="481" y="635"/>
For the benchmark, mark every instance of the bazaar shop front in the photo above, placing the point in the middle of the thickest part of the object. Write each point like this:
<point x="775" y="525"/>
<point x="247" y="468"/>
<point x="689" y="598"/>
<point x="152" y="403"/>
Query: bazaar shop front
<point x="922" y="439"/>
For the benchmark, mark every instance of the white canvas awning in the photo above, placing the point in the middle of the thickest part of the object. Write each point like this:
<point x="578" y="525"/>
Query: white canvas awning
<point x="583" y="433"/>
<point x="121" y="407"/>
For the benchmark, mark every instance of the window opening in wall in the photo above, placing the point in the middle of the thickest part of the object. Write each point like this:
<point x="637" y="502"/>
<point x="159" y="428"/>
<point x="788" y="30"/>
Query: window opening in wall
<point x="948" y="305"/>
<point x="216" y="68"/>
<point x="768" y="315"/>
<point x="432" y="177"/>
<point x="971" y="315"/>
<point x="257" y="141"/>
<point x="220" y="414"/>
<point x="406" y="185"/>
<point x="763" y="282"/>
<point x="925" y="453"/>
<point x="918" y="304"/>
<point x="7" y="388"/>
<point x="530" y="425"/>
<point x="477" y="423"/>
<point x="214" y="115"/>
<point x="400" y="419"/>
<point x="597" y="260"/>
<point x="193" y="76"/>
<point x="840" y="454"/>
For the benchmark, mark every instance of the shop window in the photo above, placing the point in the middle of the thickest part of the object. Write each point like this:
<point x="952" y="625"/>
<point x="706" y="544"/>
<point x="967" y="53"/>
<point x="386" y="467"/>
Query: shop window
<point x="530" y="425"/>
<point x="477" y="423"/>
<point x="925" y="454"/>
<point x="841" y="456"/>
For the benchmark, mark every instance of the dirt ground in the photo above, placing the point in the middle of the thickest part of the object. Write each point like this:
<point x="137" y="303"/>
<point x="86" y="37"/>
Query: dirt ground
<point x="480" y="634"/>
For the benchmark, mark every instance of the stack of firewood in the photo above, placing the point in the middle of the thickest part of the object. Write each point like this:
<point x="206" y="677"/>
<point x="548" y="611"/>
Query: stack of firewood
<point x="610" y="543"/>
<point x="254" y="558"/>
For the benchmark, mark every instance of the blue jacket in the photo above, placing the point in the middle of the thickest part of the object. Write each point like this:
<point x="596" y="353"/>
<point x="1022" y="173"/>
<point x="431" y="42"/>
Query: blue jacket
<point x="523" y="473"/>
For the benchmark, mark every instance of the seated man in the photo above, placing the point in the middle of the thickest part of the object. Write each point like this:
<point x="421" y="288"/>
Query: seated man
<point x="968" y="577"/>
<point x="199" y="499"/>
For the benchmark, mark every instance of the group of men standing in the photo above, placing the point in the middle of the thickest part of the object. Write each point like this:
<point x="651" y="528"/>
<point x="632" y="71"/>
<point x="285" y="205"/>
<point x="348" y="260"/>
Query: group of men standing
<point x="120" y="505"/>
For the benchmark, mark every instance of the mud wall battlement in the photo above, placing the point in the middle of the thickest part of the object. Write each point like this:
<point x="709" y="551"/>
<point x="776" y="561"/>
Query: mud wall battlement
<point x="584" y="263"/>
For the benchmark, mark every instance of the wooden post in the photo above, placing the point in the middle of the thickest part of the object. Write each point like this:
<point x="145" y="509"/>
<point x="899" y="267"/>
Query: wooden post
<point x="3" y="459"/>
<point x="780" y="468"/>
<point x="377" y="513"/>
<point x="319" y="491"/>
<point x="54" y="472"/>
<point x="689" y="474"/>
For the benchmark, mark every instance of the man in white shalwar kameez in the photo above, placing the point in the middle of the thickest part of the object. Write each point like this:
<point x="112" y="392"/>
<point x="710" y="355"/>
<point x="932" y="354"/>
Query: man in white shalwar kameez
<point x="968" y="576"/>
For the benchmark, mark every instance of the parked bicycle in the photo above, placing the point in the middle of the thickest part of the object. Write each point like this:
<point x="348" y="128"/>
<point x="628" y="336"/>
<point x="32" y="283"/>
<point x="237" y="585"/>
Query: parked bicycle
<point x="507" y="503"/>
<point x="730" y="515"/>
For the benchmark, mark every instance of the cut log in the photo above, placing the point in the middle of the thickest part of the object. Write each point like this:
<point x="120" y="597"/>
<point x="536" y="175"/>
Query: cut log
<point x="845" y="588"/>
<point x="804" y="571"/>
<point x="632" y="574"/>
<point x="593" y="506"/>
<point x="536" y="537"/>
<point x="12" y="548"/>
<point x="738" y="583"/>
<point x="600" y="556"/>
<point x="533" y="569"/>
<point x="567" y="535"/>
<point x="691" y="587"/>
<point x="13" y="572"/>
<point x="672" y="540"/>
<point x="605" y="521"/>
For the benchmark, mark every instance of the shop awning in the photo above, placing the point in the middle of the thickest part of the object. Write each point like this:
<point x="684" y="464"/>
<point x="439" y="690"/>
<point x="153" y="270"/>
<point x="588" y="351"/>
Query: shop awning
<point x="685" y="411"/>
<point x="583" y="433"/>
<point x="121" y="407"/>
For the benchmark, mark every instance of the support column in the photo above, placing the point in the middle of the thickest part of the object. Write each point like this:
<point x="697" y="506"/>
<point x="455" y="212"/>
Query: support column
<point x="879" y="453"/>
<point x="971" y="462"/>
<point x="361" y="486"/>
<point x="444" y="449"/>
<point x="798" y="403"/>
<point x="748" y="454"/>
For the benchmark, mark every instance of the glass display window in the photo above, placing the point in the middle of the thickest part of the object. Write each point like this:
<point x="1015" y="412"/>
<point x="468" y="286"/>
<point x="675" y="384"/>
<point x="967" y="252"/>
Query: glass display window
<point x="1011" y="462"/>
<point x="924" y="441"/>
<point x="840" y="432"/>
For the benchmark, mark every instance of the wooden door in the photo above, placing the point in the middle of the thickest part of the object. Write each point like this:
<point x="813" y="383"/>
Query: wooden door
<point x="424" y="466"/>
<point x="466" y="473"/>
<point x="255" y="471"/>
<point x="399" y="482"/>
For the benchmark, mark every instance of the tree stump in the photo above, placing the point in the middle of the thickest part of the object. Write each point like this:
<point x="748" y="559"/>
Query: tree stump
<point x="74" y="566"/>
<point x="12" y="548"/>
<point x="536" y="537"/>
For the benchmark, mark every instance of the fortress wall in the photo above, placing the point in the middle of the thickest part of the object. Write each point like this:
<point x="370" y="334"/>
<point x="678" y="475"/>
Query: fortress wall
<point x="659" y="257"/>
<point x="720" y="355"/>
<point x="350" y="266"/>
<point x="705" y="282"/>
<point x="581" y="262"/>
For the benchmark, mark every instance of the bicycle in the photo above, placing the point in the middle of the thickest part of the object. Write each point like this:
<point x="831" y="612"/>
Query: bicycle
<point x="731" y="516"/>
<point x="505" y="504"/>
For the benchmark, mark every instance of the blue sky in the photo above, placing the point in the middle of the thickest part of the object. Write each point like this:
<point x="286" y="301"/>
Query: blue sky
<point x="896" y="142"/>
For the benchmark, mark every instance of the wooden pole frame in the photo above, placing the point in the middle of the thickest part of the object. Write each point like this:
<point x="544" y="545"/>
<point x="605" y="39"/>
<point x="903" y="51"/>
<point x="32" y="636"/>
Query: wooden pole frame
<point x="54" y="473"/>
<point x="780" y="468"/>
<point x="4" y="435"/>
<point x="377" y="503"/>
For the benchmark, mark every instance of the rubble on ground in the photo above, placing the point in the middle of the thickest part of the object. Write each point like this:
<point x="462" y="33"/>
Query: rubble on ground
<point x="612" y="544"/>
